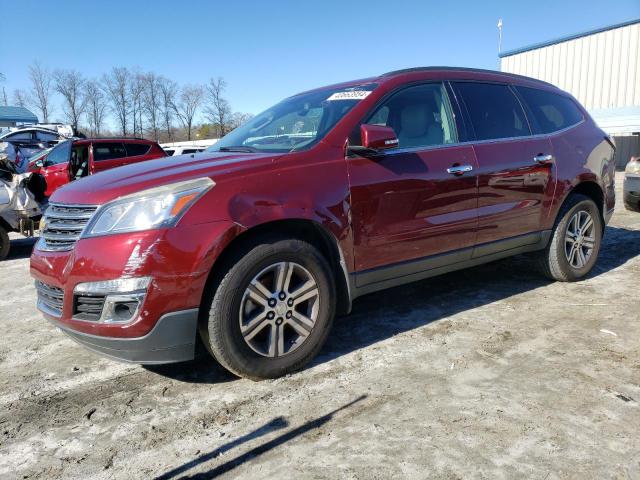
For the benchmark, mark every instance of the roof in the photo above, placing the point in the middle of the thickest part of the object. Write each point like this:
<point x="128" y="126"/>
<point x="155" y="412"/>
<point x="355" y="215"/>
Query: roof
<point x="618" y="120"/>
<point x="464" y="70"/>
<point x="567" y="38"/>
<point x="16" y="114"/>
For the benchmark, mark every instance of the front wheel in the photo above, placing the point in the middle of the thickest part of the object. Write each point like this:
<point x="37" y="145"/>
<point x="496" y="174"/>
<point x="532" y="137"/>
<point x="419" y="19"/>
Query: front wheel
<point x="4" y="243"/>
<point x="272" y="310"/>
<point x="575" y="242"/>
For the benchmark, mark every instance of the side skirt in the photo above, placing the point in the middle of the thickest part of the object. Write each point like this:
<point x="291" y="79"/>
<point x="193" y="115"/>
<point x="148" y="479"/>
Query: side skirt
<point x="381" y="278"/>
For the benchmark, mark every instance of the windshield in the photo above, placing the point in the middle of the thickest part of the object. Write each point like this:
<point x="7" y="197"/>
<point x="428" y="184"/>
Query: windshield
<point x="296" y="123"/>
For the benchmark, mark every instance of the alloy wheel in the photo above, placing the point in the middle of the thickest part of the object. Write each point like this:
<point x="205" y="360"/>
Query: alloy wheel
<point x="579" y="239"/>
<point x="279" y="309"/>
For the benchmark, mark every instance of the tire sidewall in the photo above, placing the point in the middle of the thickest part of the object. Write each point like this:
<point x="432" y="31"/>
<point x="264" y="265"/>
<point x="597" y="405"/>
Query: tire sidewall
<point x="226" y="339"/>
<point x="5" y="243"/>
<point x="590" y="207"/>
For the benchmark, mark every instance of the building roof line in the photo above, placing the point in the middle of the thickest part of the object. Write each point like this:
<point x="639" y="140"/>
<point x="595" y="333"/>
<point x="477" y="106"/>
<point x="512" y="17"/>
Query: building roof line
<point x="547" y="43"/>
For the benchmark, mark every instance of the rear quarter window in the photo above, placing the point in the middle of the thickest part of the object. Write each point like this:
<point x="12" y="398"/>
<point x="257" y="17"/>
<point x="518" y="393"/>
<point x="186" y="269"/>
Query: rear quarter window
<point x="550" y="111"/>
<point x="135" y="149"/>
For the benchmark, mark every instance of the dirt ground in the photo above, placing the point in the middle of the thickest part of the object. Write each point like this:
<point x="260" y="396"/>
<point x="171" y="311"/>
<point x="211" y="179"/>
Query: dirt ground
<point x="491" y="372"/>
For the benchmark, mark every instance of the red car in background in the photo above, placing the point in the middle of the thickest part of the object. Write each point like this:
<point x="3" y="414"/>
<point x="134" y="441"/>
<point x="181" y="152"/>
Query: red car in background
<point x="75" y="159"/>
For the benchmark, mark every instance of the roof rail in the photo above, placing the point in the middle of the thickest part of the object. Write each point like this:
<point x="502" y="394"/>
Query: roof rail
<point x="463" y="69"/>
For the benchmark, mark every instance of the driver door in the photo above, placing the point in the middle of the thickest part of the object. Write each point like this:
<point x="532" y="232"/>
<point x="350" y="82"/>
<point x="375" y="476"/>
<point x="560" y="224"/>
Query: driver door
<point x="409" y="206"/>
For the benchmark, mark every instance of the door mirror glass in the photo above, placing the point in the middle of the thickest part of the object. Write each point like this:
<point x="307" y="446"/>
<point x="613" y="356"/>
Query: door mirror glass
<point x="378" y="137"/>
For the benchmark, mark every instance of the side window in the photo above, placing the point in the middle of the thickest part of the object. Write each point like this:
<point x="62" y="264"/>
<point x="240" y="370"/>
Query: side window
<point x="551" y="112"/>
<point x="421" y="116"/>
<point x="20" y="137"/>
<point x="59" y="154"/>
<point x="108" y="151"/>
<point x="47" y="137"/>
<point x="494" y="110"/>
<point x="135" y="149"/>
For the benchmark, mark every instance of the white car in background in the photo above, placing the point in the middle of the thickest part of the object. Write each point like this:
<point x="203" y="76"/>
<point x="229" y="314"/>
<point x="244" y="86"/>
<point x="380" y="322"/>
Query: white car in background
<point x="184" y="148"/>
<point x="631" y="186"/>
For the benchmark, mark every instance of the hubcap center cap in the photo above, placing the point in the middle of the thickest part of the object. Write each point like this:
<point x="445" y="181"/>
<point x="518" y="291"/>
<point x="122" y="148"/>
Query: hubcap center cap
<point x="281" y="308"/>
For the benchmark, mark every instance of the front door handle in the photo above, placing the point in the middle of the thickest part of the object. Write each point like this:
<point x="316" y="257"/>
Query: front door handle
<point x="459" y="169"/>
<point x="543" y="159"/>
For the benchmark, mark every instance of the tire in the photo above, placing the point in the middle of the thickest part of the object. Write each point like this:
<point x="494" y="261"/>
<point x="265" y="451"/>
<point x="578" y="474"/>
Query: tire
<point x="554" y="261"/>
<point x="234" y="309"/>
<point x="5" y="243"/>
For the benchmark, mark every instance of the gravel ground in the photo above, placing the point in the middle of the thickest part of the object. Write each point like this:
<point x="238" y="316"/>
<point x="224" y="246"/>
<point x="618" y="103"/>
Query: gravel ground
<point x="491" y="372"/>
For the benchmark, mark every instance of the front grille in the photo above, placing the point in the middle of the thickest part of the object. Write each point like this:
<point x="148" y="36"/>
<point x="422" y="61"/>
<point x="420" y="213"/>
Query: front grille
<point x="50" y="299"/>
<point x="88" y="307"/>
<point x="64" y="225"/>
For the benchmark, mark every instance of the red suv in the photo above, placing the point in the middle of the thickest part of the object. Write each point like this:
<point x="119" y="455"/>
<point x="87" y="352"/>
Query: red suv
<point x="74" y="159"/>
<point x="253" y="246"/>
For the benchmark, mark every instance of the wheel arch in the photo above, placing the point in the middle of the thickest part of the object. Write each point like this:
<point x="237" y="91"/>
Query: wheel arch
<point x="303" y="229"/>
<point x="593" y="190"/>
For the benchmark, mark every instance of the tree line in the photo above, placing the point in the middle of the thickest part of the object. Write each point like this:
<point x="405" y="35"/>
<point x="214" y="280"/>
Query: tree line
<point x="139" y="103"/>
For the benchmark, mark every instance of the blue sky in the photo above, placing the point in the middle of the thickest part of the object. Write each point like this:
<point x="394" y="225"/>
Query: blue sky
<point x="267" y="50"/>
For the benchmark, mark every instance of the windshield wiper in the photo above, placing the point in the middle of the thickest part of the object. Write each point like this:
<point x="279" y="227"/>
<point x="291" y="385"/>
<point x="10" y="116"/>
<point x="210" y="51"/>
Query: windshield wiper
<point x="238" y="148"/>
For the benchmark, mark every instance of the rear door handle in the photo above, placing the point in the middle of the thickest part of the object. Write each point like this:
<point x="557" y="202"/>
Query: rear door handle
<point x="459" y="169"/>
<point x="543" y="159"/>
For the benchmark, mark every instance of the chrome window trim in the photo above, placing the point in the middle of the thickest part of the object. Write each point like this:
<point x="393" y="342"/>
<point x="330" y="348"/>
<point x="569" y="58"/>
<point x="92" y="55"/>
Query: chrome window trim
<point x="538" y="136"/>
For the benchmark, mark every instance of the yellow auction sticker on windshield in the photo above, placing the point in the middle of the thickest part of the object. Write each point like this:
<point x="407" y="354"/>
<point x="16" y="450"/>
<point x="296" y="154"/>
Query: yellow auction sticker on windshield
<point x="349" y="95"/>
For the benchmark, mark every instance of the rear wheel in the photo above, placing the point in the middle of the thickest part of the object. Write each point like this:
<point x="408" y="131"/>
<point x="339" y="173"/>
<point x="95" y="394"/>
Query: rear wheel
<point x="4" y="243"/>
<point x="272" y="310"/>
<point x="575" y="242"/>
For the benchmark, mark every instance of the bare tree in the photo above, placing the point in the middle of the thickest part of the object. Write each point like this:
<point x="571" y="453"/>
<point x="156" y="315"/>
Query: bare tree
<point x="4" y="93"/>
<point x="41" y="89"/>
<point x="218" y="109"/>
<point x="20" y="97"/>
<point x="189" y="101"/>
<point x="70" y="84"/>
<point x="239" y="118"/>
<point x="168" y="92"/>
<point x="116" y="86"/>
<point x="136" y="88"/>
<point x="152" y="103"/>
<point x="96" y="106"/>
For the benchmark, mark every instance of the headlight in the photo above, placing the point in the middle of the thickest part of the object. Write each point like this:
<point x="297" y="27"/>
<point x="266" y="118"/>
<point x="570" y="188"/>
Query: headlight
<point x="633" y="166"/>
<point x="154" y="208"/>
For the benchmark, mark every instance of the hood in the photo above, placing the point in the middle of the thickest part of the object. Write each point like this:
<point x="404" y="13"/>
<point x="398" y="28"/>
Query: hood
<point x="108" y="185"/>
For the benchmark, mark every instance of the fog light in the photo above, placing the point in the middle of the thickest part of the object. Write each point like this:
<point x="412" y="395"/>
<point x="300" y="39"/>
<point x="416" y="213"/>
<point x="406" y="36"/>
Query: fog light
<point x="123" y="298"/>
<point x="121" y="308"/>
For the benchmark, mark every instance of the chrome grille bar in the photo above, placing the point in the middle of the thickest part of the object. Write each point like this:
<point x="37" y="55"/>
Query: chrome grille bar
<point x="64" y="225"/>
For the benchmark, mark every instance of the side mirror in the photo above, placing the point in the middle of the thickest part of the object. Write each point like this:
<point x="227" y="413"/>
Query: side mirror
<point x="39" y="163"/>
<point x="377" y="137"/>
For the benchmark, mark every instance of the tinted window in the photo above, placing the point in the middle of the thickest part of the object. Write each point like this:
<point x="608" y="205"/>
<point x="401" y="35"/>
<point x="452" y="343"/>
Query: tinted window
<point x="169" y="152"/>
<point x="19" y="136"/>
<point x="421" y="116"/>
<point x="189" y="150"/>
<point x="108" y="151"/>
<point x="59" y="154"/>
<point x="494" y="110"/>
<point x="134" y="149"/>
<point x="550" y="111"/>
<point x="47" y="137"/>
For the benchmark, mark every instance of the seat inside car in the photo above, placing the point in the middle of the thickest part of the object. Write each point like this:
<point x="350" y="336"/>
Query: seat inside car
<point x="418" y="126"/>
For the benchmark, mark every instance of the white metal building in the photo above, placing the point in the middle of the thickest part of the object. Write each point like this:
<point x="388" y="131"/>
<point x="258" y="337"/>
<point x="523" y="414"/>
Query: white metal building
<point x="601" y="68"/>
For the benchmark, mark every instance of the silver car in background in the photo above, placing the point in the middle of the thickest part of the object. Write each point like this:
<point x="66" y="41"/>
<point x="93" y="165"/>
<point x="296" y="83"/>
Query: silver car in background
<point x="631" y="187"/>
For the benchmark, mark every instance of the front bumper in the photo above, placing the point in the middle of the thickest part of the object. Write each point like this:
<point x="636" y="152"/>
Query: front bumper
<point x="178" y="261"/>
<point x="172" y="339"/>
<point x="631" y="192"/>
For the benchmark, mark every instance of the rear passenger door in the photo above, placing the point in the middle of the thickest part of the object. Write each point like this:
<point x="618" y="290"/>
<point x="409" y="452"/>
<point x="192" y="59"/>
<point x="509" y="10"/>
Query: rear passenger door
<point x="107" y="155"/>
<point x="516" y="178"/>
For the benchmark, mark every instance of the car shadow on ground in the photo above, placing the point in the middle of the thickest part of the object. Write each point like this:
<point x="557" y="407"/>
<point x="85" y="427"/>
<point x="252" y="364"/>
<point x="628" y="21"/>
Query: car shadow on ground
<point x="21" y="248"/>
<point x="277" y="423"/>
<point x="387" y="313"/>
